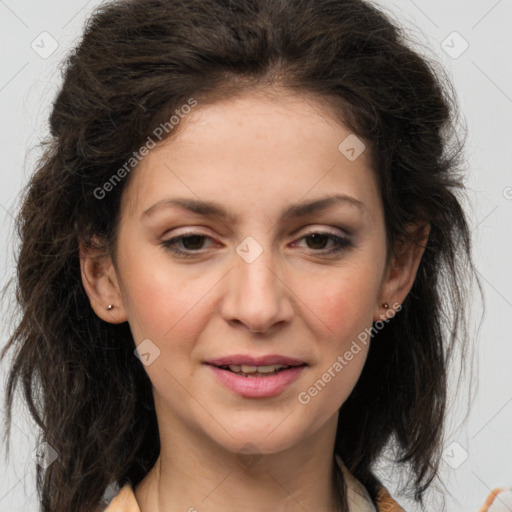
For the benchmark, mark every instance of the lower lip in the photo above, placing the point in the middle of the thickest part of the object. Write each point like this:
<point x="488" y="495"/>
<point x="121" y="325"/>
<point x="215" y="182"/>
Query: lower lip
<point x="257" y="387"/>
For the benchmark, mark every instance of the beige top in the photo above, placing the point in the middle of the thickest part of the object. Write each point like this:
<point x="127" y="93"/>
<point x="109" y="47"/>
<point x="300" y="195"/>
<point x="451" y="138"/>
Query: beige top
<point x="358" y="498"/>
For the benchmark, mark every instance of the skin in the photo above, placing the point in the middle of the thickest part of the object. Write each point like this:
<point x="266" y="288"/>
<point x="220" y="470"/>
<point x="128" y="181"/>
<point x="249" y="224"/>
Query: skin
<point x="282" y="149"/>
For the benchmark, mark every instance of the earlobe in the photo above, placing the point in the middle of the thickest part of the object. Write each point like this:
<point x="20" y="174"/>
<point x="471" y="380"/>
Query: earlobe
<point x="101" y="285"/>
<point x="403" y="266"/>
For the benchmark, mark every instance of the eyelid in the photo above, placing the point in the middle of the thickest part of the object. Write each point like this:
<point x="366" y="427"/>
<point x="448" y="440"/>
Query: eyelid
<point x="323" y="229"/>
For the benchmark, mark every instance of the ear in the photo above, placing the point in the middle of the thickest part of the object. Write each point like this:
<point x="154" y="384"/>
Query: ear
<point x="402" y="268"/>
<point x="101" y="284"/>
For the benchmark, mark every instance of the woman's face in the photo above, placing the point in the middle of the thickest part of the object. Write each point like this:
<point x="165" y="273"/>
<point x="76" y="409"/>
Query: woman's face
<point x="252" y="281"/>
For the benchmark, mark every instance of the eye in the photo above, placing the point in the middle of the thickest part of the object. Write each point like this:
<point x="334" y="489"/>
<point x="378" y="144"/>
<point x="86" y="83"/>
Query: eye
<point x="189" y="243"/>
<point x="320" y="238"/>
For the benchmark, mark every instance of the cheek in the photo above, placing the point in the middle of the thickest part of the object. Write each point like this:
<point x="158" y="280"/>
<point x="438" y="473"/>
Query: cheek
<point x="160" y="301"/>
<point x="343" y="301"/>
<point x="167" y="308"/>
<point x="345" y="308"/>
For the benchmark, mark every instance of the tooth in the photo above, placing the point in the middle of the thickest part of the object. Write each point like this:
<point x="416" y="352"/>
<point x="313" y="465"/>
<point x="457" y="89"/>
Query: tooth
<point x="251" y="370"/>
<point x="248" y="369"/>
<point x="270" y="368"/>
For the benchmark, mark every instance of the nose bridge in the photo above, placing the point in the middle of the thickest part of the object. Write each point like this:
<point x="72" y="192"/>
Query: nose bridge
<point x="256" y="295"/>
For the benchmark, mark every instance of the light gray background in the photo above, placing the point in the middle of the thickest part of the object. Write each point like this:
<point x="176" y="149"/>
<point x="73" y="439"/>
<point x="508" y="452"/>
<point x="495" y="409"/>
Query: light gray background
<point x="481" y="457"/>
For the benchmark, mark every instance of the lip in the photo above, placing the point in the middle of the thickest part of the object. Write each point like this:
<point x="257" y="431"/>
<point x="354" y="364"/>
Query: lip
<point x="257" y="387"/>
<point x="248" y="360"/>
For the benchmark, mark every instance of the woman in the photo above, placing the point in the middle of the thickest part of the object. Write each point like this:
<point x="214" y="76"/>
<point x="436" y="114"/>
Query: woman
<point x="243" y="261"/>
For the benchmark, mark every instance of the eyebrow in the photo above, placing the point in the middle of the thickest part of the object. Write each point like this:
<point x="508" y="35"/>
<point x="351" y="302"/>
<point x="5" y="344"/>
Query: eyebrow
<point x="216" y="209"/>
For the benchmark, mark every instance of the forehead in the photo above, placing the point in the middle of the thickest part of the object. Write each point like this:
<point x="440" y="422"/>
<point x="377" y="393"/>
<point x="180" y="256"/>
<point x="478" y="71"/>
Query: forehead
<point x="253" y="151"/>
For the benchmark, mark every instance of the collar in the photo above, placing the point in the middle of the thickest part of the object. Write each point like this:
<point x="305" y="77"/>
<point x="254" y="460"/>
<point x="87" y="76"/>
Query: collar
<point x="357" y="496"/>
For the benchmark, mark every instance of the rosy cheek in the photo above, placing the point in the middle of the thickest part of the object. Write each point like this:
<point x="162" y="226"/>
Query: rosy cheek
<point x="166" y="307"/>
<point x="341" y="306"/>
<point x="150" y="304"/>
<point x="344" y="321"/>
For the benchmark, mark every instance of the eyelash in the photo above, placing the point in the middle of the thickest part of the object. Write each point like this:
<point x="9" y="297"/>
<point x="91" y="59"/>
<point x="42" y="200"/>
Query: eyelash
<point x="341" y="243"/>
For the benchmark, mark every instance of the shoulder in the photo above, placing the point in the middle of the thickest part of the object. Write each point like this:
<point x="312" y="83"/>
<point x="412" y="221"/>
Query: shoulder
<point x="385" y="503"/>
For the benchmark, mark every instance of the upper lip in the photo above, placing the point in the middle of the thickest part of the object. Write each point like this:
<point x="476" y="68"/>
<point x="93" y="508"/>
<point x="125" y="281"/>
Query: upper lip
<point x="242" y="359"/>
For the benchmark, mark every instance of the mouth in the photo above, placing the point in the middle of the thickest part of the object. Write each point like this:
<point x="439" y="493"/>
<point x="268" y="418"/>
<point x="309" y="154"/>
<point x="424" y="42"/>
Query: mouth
<point x="262" y="377"/>
<point x="251" y="371"/>
<point x="254" y="367"/>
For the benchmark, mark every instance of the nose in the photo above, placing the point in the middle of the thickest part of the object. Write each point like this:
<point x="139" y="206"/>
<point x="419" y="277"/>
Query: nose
<point x="256" y="296"/>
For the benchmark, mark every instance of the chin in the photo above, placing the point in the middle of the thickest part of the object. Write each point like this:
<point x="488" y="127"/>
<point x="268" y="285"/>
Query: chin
<point x="252" y="439"/>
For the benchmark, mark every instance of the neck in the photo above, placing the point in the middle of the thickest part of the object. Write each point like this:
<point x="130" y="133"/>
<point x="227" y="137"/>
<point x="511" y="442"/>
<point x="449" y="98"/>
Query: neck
<point x="195" y="474"/>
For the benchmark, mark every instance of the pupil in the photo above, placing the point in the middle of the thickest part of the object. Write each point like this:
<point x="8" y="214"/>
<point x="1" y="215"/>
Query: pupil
<point x="195" y="238"/>
<point x="317" y="236"/>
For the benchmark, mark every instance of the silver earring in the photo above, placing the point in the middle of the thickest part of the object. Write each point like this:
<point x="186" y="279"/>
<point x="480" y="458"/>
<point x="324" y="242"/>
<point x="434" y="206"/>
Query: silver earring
<point x="110" y="306"/>
<point x="385" y="305"/>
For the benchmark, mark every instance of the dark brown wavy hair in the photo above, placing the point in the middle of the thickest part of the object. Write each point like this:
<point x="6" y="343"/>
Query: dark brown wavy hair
<point x="137" y="62"/>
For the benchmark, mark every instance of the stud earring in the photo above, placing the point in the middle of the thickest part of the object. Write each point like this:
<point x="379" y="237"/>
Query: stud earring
<point x="385" y="305"/>
<point x="110" y="306"/>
